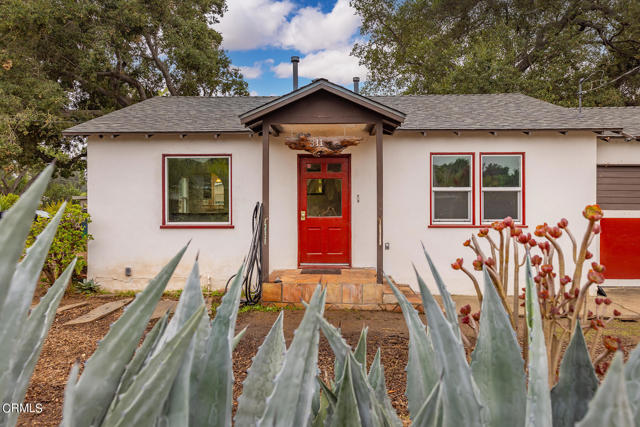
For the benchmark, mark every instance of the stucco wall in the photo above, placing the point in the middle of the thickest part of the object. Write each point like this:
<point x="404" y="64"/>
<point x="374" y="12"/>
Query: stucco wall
<point x="560" y="178"/>
<point x="617" y="151"/>
<point x="125" y="203"/>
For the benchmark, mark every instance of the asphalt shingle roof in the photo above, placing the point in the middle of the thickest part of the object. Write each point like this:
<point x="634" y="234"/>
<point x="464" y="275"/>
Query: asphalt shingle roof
<point x="423" y="112"/>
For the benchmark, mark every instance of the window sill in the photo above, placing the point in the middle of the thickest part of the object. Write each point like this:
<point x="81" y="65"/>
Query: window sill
<point x="468" y="226"/>
<point x="195" y="226"/>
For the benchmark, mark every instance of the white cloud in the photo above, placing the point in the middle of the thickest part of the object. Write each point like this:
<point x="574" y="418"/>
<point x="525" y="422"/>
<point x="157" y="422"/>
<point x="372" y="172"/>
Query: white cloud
<point x="336" y="65"/>
<point x="254" y="71"/>
<point x="251" y="24"/>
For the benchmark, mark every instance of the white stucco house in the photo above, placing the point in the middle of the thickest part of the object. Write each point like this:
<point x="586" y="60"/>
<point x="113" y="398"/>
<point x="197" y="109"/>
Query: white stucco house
<point x="430" y="169"/>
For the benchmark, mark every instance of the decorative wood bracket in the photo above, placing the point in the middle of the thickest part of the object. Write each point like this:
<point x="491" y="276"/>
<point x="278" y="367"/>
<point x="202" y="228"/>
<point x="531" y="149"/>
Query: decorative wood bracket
<point x="321" y="145"/>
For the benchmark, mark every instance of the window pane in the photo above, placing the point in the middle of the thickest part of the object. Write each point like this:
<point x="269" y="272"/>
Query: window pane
<point x="324" y="197"/>
<point x="501" y="171"/>
<point x="198" y="189"/>
<point x="451" y="205"/>
<point x="500" y="204"/>
<point x="334" y="167"/>
<point x="313" y="167"/>
<point x="451" y="171"/>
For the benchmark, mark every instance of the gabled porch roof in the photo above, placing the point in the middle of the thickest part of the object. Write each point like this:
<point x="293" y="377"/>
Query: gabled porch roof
<point x="391" y="118"/>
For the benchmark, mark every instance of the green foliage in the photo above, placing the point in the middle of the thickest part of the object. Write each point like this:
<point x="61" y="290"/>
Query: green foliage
<point x="23" y="331"/>
<point x="69" y="243"/>
<point x="540" y="48"/>
<point x="87" y="287"/>
<point x="6" y="201"/>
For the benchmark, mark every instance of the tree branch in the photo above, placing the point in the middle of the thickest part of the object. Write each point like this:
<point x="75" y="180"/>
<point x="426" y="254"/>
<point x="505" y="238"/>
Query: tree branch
<point x="125" y="78"/>
<point x="161" y="65"/>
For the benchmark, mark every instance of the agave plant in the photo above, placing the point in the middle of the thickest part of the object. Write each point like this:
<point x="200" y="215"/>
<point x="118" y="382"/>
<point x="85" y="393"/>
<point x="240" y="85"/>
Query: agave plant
<point x="22" y="333"/>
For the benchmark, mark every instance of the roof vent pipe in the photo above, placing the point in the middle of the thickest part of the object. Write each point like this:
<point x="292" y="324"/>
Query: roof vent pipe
<point x="356" y="84"/>
<point x="294" y="61"/>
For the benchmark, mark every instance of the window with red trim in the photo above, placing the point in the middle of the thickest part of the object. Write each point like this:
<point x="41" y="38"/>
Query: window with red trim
<point x="452" y="188"/>
<point x="502" y="186"/>
<point x="197" y="190"/>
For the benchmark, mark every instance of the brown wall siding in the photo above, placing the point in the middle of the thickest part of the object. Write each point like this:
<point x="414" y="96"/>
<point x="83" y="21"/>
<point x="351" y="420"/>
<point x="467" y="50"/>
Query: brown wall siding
<point x="618" y="187"/>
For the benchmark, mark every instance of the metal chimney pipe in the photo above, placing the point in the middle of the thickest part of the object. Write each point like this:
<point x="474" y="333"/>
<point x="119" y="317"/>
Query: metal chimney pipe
<point x="294" y="61"/>
<point x="356" y="84"/>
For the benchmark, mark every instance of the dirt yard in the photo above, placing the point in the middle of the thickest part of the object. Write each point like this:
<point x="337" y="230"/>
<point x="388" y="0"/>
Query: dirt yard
<point x="68" y="344"/>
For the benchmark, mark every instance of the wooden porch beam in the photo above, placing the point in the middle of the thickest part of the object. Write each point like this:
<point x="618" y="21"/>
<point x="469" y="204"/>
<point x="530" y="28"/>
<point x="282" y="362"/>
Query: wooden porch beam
<point x="265" y="201"/>
<point x="379" y="201"/>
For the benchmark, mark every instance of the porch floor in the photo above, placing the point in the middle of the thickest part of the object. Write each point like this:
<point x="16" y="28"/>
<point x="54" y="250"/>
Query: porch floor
<point x="353" y="288"/>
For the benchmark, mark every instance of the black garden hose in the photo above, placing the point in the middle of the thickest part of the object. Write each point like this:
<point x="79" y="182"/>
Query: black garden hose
<point x="252" y="280"/>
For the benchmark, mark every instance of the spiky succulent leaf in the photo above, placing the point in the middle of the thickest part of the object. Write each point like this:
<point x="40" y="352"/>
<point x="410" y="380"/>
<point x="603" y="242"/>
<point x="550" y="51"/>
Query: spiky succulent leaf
<point x="290" y="401"/>
<point x="360" y="352"/>
<point x="447" y="301"/>
<point x="345" y="413"/>
<point x="423" y="368"/>
<point x="216" y="380"/>
<point x="141" y="404"/>
<point x="238" y="338"/>
<point x="376" y="379"/>
<point x="459" y="399"/>
<point x="610" y="406"/>
<point x="338" y="345"/>
<point x="497" y="365"/>
<point x="632" y="375"/>
<point x="538" y="413"/>
<point x="323" y="412"/>
<point x="14" y="228"/>
<point x="108" y="362"/>
<point x="577" y="384"/>
<point x="68" y="405"/>
<point x="260" y="379"/>
<point x="32" y="336"/>
<point x="431" y="412"/>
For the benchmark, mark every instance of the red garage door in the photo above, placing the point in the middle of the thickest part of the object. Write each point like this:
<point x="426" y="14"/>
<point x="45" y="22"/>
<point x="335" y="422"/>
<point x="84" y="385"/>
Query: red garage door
<point x="620" y="247"/>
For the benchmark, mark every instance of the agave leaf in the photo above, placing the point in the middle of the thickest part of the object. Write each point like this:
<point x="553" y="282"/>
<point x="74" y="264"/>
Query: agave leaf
<point x="108" y="362"/>
<point x="632" y="375"/>
<point x="538" y="413"/>
<point x="140" y="404"/>
<point x="610" y="406"/>
<point x="459" y="399"/>
<point x="449" y="305"/>
<point x="377" y="382"/>
<point x="344" y="414"/>
<point x="577" y="385"/>
<point x="423" y="368"/>
<point x="497" y="365"/>
<point x="32" y="337"/>
<point x="68" y="395"/>
<point x="238" y="337"/>
<point x="430" y="414"/>
<point x="290" y="401"/>
<point x="259" y="382"/>
<point x="143" y="353"/>
<point x="212" y="396"/>
<point x="338" y="345"/>
<point x="14" y="229"/>
<point x="360" y="352"/>
<point x="323" y="411"/>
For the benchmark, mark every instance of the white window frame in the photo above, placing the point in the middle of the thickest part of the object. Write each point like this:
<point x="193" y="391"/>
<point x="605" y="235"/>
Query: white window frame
<point x="205" y="224"/>
<point x="519" y="190"/>
<point x="469" y="190"/>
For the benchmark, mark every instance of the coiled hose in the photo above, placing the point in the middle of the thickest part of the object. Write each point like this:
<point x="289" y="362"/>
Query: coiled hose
<point x="252" y="264"/>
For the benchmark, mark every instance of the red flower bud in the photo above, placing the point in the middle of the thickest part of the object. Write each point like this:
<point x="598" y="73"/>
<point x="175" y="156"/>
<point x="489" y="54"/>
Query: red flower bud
<point x="607" y="301"/>
<point x="483" y="232"/>
<point x="467" y="243"/>
<point x="576" y="292"/>
<point x="588" y="255"/>
<point x="523" y="238"/>
<point x="546" y="268"/>
<point x="596" y="229"/>
<point x="465" y="320"/>
<point x="508" y="221"/>
<point x="598" y="301"/>
<point x="516" y="232"/>
<point x="490" y="262"/>
<point x="602" y="369"/>
<point x="477" y="263"/>
<point x="597" y="267"/>
<point x="458" y="264"/>
<point x="537" y="279"/>
<point x="594" y="325"/>
<point x="532" y="242"/>
<point x="590" y="313"/>
<point x="567" y="295"/>
<point x="616" y="312"/>
<point x="564" y="280"/>
<point x="543" y="294"/>
<point x="612" y="344"/>
<point x="595" y="277"/>
<point x="476" y="316"/>
<point x="592" y="213"/>
<point x="522" y="305"/>
<point x="541" y="230"/>
<point x="600" y="323"/>
<point x="544" y="246"/>
<point x="536" y="260"/>
<point x="465" y="310"/>
<point x="563" y="223"/>
<point x="555" y="232"/>
<point x="498" y="225"/>
<point x="522" y="296"/>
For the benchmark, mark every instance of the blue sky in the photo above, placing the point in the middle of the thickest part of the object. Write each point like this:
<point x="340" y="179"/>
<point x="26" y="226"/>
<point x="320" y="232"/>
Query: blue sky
<point x="260" y="37"/>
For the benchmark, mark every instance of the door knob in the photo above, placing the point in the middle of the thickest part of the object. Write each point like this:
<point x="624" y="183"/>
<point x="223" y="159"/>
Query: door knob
<point x="303" y="215"/>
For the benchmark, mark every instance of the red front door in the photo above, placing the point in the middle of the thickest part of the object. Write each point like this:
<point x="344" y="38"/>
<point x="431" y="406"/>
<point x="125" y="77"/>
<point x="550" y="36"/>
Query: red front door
<point x="324" y="211"/>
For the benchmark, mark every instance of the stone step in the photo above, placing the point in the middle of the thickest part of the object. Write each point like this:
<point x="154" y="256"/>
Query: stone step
<point x="100" y="312"/>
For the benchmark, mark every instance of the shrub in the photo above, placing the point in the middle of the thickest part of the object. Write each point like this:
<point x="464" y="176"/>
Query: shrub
<point x="6" y="201"/>
<point x="70" y="241"/>
<point x="87" y="287"/>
